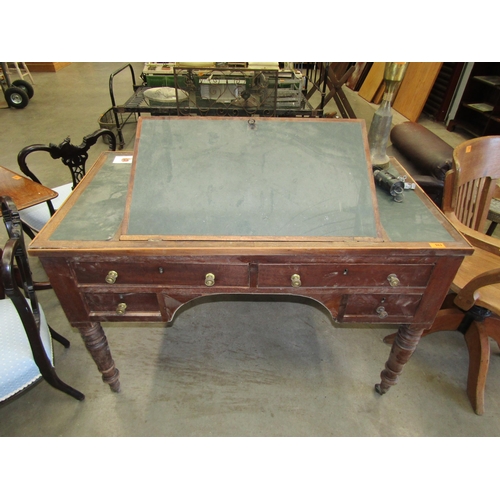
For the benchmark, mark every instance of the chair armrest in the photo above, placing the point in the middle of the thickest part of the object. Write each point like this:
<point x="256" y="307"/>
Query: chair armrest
<point x="426" y="151"/>
<point x="467" y="297"/>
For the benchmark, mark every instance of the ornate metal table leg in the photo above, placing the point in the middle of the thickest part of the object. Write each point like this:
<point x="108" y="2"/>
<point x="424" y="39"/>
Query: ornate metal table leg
<point x="404" y="344"/>
<point x="97" y="344"/>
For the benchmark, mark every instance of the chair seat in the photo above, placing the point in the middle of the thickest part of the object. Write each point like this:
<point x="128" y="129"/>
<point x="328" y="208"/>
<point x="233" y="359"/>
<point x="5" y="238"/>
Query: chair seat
<point x="18" y="369"/>
<point x="37" y="216"/>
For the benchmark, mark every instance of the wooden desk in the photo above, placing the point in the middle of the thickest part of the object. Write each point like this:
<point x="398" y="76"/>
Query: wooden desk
<point x="235" y="206"/>
<point x="23" y="191"/>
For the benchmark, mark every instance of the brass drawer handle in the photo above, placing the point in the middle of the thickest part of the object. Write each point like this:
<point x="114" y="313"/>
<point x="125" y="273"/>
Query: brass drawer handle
<point x="210" y="279"/>
<point x="111" y="277"/>
<point x="296" y="280"/>
<point x="121" y="307"/>
<point x="393" y="280"/>
<point x="381" y="312"/>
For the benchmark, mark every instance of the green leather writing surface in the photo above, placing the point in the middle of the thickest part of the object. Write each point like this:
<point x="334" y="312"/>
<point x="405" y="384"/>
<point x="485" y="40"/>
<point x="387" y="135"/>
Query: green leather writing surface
<point x="239" y="177"/>
<point x="409" y="220"/>
<point x="98" y="211"/>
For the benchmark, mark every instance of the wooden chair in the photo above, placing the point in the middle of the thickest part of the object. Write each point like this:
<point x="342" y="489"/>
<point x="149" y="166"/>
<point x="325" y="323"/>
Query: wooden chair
<point x="473" y="305"/>
<point x="25" y="336"/>
<point x="74" y="157"/>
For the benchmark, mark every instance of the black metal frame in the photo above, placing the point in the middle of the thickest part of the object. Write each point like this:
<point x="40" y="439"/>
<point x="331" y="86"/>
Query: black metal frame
<point x="136" y="105"/>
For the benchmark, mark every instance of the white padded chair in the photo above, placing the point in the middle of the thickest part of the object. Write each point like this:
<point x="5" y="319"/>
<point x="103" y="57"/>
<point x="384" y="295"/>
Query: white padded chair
<point x="74" y="157"/>
<point x="37" y="216"/>
<point x="26" y="353"/>
<point x="18" y="370"/>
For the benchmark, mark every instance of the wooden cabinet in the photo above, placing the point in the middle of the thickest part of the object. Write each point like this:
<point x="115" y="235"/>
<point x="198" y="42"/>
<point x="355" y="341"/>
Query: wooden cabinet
<point x="479" y="110"/>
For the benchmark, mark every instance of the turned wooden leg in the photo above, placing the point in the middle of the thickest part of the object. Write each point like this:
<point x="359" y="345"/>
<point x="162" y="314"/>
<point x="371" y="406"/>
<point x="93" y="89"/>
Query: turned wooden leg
<point x="405" y="343"/>
<point x="447" y="319"/>
<point x="97" y="345"/>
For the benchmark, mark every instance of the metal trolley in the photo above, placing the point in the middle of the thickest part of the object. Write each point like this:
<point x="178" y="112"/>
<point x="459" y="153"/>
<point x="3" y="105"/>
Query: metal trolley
<point x="210" y="89"/>
<point x="18" y="93"/>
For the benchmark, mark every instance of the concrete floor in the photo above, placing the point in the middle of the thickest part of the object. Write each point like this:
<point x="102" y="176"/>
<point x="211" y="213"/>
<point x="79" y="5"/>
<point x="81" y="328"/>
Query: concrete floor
<point x="230" y="366"/>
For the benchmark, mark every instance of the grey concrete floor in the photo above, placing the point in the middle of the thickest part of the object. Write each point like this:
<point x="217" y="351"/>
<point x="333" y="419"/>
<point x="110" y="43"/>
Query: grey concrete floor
<point x="229" y="366"/>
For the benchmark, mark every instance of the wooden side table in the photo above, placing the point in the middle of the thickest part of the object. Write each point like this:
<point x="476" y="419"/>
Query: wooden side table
<point x="23" y="191"/>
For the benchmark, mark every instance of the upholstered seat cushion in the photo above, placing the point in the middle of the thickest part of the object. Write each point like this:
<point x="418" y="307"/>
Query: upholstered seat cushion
<point x="38" y="215"/>
<point x="18" y="369"/>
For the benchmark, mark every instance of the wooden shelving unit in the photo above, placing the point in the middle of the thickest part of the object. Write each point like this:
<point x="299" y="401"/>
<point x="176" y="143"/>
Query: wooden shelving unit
<point x="479" y="110"/>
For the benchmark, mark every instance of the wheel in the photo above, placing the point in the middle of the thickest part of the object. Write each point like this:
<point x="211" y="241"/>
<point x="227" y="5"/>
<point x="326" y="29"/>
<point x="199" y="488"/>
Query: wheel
<point x="16" y="97"/>
<point x="26" y="86"/>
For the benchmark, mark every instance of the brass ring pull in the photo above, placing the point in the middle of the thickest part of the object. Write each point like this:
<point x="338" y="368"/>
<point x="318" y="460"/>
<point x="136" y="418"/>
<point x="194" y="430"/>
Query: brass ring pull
<point x="296" y="280"/>
<point x="111" y="277"/>
<point x="393" y="280"/>
<point x="121" y="307"/>
<point x="381" y="312"/>
<point x="210" y="279"/>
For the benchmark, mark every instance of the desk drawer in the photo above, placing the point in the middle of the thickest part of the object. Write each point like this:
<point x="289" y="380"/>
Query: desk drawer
<point x="122" y="304"/>
<point x="343" y="275"/>
<point x="160" y="273"/>
<point x="380" y="307"/>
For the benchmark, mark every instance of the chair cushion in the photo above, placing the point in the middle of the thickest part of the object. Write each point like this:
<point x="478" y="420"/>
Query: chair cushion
<point x="38" y="215"/>
<point x="18" y="369"/>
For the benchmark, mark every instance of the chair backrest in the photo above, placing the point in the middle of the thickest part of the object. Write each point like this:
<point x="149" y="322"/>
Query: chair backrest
<point x="471" y="182"/>
<point x="26" y="314"/>
<point x="15" y="252"/>
<point x="74" y="157"/>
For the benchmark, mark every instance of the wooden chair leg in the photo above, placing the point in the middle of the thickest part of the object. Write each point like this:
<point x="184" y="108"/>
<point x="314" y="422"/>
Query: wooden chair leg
<point x="49" y="374"/>
<point x="478" y="345"/>
<point x="491" y="228"/>
<point x="57" y="336"/>
<point x="46" y="369"/>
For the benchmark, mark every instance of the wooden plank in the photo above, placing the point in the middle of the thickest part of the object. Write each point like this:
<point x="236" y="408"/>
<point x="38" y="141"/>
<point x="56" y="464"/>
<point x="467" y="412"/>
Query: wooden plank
<point x="377" y="98"/>
<point x="46" y="67"/>
<point x="372" y="81"/>
<point x="415" y="89"/>
<point x="359" y="70"/>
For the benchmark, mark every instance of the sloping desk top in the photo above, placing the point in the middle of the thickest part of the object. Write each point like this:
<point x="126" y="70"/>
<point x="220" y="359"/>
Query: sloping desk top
<point x="251" y="178"/>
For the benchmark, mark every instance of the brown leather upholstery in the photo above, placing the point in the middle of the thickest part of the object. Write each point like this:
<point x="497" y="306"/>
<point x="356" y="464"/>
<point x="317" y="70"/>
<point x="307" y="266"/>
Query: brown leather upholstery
<point x="424" y="155"/>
